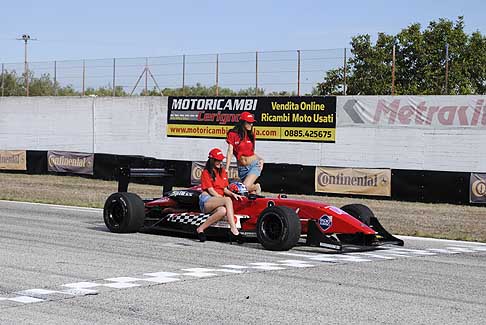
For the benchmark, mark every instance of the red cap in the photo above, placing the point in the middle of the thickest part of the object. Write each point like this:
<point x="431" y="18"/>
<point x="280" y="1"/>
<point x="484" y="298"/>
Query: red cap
<point x="216" y="154"/>
<point x="248" y="117"/>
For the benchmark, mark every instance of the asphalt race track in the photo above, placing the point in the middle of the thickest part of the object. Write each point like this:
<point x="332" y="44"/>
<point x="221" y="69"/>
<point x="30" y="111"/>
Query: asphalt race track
<point x="60" y="265"/>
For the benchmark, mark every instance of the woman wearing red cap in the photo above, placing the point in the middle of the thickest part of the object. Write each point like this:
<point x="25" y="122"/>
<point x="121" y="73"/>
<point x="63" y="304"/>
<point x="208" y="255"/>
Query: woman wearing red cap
<point x="241" y="143"/>
<point x="216" y="198"/>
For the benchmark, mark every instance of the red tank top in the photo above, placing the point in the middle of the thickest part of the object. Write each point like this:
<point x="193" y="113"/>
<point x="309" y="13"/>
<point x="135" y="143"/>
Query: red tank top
<point x="219" y="183"/>
<point x="240" y="147"/>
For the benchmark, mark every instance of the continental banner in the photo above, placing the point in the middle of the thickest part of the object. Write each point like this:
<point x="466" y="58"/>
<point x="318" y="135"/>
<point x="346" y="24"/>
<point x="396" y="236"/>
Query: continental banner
<point x="13" y="160"/>
<point x="70" y="162"/>
<point x="477" y="188"/>
<point x="311" y="119"/>
<point x="198" y="167"/>
<point x="353" y="181"/>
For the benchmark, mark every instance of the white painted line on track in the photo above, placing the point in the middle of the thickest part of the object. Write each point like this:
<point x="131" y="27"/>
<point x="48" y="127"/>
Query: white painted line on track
<point x="440" y="240"/>
<point x="37" y="292"/>
<point x="82" y="288"/>
<point x="81" y="285"/>
<point x="80" y="292"/>
<point x="123" y="279"/>
<point x="296" y="263"/>
<point x="161" y="277"/>
<point x="160" y="274"/>
<point x="25" y="299"/>
<point x="267" y="266"/>
<point x="199" y="272"/>
<point x="231" y="266"/>
<point x="121" y="285"/>
<point x="48" y="205"/>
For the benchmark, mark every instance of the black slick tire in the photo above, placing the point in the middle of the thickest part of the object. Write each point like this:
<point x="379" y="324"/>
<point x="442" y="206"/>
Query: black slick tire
<point x="124" y="212"/>
<point x="278" y="228"/>
<point x="360" y="212"/>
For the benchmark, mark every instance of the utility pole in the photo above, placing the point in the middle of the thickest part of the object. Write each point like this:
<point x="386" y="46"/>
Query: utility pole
<point x="26" y="38"/>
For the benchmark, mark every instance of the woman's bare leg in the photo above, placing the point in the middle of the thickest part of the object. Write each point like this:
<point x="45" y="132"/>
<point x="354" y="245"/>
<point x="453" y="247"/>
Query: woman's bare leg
<point x="217" y="215"/>
<point x="230" y="216"/>
<point x="249" y="182"/>
<point x="219" y="204"/>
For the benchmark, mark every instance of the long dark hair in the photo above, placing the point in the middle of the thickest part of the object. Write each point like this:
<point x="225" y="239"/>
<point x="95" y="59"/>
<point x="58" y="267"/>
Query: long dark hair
<point x="240" y="129"/>
<point x="210" y="168"/>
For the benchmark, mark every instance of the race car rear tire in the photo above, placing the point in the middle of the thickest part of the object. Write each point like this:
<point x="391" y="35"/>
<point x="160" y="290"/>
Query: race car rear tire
<point x="278" y="228"/>
<point x="124" y="212"/>
<point x="360" y="212"/>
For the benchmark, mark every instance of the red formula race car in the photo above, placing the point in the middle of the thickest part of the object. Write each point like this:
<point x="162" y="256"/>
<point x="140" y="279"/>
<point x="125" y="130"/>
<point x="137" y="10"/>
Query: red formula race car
<point x="279" y="223"/>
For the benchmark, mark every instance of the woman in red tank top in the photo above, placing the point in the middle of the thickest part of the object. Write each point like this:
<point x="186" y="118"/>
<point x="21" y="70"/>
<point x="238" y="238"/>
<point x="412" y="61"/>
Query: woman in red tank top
<point x="216" y="197"/>
<point x="241" y="144"/>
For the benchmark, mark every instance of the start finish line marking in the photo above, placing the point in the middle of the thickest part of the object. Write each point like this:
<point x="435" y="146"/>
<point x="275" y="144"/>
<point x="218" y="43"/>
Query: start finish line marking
<point x="84" y="288"/>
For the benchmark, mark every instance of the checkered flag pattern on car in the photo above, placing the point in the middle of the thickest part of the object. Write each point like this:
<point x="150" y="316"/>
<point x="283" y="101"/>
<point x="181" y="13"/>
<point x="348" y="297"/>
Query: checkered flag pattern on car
<point x="197" y="219"/>
<point x="188" y="218"/>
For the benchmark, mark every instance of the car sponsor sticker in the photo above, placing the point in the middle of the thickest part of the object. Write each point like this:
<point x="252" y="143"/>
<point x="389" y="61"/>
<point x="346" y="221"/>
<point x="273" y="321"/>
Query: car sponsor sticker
<point x="181" y="193"/>
<point x="325" y="222"/>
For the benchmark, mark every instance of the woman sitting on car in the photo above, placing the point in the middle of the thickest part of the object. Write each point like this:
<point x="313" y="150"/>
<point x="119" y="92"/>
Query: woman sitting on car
<point x="216" y="197"/>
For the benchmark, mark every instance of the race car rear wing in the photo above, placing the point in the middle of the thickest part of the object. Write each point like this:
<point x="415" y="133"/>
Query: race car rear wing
<point x="166" y="177"/>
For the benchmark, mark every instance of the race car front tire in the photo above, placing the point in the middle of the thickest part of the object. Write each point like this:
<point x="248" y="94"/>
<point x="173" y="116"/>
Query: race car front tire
<point x="360" y="212"/>
<point x="124" y="212"/>
<point x="278" y="228"/>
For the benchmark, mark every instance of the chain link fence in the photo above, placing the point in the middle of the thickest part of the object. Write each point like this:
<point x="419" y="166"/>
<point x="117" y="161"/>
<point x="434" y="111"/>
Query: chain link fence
<point x="294" y="72"/>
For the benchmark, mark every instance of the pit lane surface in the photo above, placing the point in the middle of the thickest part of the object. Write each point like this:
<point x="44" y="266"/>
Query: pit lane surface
<point x="59" y="265"/>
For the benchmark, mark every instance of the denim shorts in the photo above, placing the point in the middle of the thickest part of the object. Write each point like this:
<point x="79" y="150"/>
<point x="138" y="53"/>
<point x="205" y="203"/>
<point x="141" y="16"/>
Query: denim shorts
<point x="252" y="168"/>
<point x="203" y="198"/>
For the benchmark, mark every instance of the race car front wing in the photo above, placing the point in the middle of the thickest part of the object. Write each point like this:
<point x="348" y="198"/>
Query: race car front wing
<point x="350" y="242"/>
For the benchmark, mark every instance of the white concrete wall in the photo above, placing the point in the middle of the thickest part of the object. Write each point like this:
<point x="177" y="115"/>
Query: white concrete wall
<point x="137" y="126"/>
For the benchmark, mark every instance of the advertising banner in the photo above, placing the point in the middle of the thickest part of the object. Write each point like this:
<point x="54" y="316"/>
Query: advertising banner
<point x="434" y="112"/>
<point x="198" y="167"/>
<point x="70" y="162"/>
<point x="311" y="119"/>
<point x="13" y="160"/>
<point x="477" y="188"/>
<point x="353" y="181"/>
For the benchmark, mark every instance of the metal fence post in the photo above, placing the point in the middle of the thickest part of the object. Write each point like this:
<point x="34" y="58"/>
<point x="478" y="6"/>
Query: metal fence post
<point x="217" y="74"/>
<point x="446" y="68"/>
<point x="84" y="77"/>
<point x="344" y="73"/>
<point x="183" y="74"/>
<point x="393" y="72"/>
<point x="55" y="78"/>
<point x="298" y="72"/>
<point x="146" y="77"/>
<point x="114" y="86"/>
<point x="256" y="73"/>
<point x="3" y="79"/>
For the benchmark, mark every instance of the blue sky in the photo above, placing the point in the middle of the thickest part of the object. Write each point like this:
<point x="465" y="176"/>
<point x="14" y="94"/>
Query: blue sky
<point x="104" y="29"/>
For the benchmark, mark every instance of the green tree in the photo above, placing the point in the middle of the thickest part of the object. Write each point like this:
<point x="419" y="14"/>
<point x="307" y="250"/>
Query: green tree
<point x="106" y="91"/>
<point x="42" y="86"/>
<point x="420" y="67"/>
<point x="200" y="90"/>
<point x="12" y="86"/>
